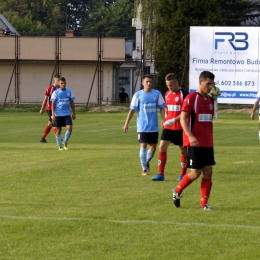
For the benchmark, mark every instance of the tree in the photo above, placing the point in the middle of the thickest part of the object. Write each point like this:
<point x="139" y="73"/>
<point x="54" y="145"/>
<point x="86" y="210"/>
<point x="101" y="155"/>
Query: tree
<point x="236" y="12"/>
<point x="171" y="27"/>
<point x="169" y="21"/>
<point x="33" y="16"/>
<point x="109" y="17"/>
<point x="50" y="16"/>
<point x="76" y="13"/>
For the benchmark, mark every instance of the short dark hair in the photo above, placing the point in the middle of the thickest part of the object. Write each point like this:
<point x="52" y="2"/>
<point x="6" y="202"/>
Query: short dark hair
<point x="206" y="75"/>
<point x="171" y="76"/>
<point x="147" y="76"/>
<point x="62" y="79"/>
<point x="56" y="76"/>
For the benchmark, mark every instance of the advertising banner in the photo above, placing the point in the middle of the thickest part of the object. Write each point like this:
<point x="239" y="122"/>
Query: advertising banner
<point x="232" y="54"/>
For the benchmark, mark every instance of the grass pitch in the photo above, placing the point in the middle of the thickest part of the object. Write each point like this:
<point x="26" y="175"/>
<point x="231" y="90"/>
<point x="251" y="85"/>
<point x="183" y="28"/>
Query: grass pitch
<point x="91" y="202"/>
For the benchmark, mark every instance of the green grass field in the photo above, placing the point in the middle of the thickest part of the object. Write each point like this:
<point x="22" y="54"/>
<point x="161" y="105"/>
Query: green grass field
<point x="91" y="202"/>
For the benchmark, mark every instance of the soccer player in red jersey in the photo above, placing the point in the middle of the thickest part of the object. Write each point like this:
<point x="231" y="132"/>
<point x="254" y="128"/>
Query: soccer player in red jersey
<point x="196" y="119"/>
<point x="172" y="130"/>
<point x="47" y="103"/>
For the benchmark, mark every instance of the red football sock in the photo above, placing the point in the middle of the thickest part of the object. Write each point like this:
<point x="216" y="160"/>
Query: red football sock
<point x="46" y="131"/>
<point x="183" y="165"/>
<point x="55" y="130"/>
<point x="162" y="158"/>
<point x="185" y="182"/>
<point x="205" y="189"/>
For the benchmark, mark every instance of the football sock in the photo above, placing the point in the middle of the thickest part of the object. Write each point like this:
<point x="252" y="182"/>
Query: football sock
<point x="58" y="140"/>
<point x="162" y="158"/>
<point x="183" y="165"/>
<point x="143" y="158"/>
<point x="67" y="136"/>
<point x="55" y="130"/>
<point x="46" y="131"/>
<point x="205" y="189"/>
<point x="149" y="155"/>
<point x="185" y="182"/>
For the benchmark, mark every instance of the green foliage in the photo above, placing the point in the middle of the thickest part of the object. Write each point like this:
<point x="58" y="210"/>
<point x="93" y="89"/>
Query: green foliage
<point x="110" y="18"/>
<point x="171" y="19"/>
<point x="147" y="10"/>
<point x="235" y="12"/>
<point x="91" y="202"/>
<point x="25" y="23"/>
<point x="33" y="16"/>
<point x="173" y="41"/>
<point x="48" y="16"/>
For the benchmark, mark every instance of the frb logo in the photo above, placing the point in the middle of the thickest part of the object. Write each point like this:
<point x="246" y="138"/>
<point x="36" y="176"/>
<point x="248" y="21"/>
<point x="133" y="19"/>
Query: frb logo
<point x="239" y="37"/>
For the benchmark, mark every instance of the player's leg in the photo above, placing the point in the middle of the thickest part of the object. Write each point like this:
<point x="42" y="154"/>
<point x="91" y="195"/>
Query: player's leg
<point x="196" y="165"/>
<point x="152" y="140"/>
<point x="58" y="137"/>
<point x="143" y="160"/>
<point x="47" y="128"/>
<point x="206" y="182"/>
<point x="177" y="139"/>
<point x="142" y="139"/>
<point x="150" y="153"/>
<point x="58" y="124"/>
<point x="68" y="122"/>
<point x="184" y="162"/>
<point x="162" y="159"/>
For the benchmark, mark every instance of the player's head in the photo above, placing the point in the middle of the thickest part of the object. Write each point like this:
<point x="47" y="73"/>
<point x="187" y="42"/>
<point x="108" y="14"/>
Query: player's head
<point x="171" y="82"/>
<point x="206" y="81"/>
<point x="62" y="83"/>
<point x="147" y="81"/>
<point x="207" y="75"/>
<point x="56" y="80"/>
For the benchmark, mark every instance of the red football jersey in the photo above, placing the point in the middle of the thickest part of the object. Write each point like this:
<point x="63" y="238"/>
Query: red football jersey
<point x="174" y="102"/>
<point x="48" y="93"/>
<point x="201" y="111"/>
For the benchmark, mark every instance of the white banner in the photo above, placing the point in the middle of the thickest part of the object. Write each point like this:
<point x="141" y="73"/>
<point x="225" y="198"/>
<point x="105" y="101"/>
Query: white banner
<point x="232" y="54"/>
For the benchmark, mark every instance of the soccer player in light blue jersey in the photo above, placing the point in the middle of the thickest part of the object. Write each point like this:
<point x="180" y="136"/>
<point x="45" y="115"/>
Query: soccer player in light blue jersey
<point x="62" y="102"/>
<point x="146" y="102"/>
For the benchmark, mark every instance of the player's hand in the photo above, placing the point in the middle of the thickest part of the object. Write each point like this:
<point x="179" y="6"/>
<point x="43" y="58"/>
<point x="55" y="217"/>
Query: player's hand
<point x="252" y="116"/>
<point x="125" y="128"/>
<point x="193" y="141"/>
<point x="73" y="117"/>
<point x="169" y="122"/>
<point x="41" y="111"/>
<point x="53" y="118"/>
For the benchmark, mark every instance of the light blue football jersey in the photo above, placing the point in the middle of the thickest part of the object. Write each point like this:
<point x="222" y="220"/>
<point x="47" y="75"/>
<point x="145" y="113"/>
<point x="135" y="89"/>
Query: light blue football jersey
<point x="147" y="103"/>
<point x="62" y="99"/>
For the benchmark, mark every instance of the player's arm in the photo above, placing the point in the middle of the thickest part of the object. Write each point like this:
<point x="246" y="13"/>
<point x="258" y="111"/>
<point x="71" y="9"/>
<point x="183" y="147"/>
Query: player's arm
<point x="255" y="107"/>
<point x="128" y="118"/>
<point x="177" y="118"/>
<point x="53" y="111"/>
<point x="43" y="104"/>
<point x="185" y="126"/>
<point x="163" y="115"/>
<point x="72" y="105"/>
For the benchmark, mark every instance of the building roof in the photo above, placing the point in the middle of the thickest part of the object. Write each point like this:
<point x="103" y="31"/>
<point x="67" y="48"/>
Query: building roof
<point x="4" y="24"/>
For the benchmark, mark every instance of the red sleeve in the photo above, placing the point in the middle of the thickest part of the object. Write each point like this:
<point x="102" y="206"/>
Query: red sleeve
<point x="187" y="105"/>
<point x="47" y="91"/>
